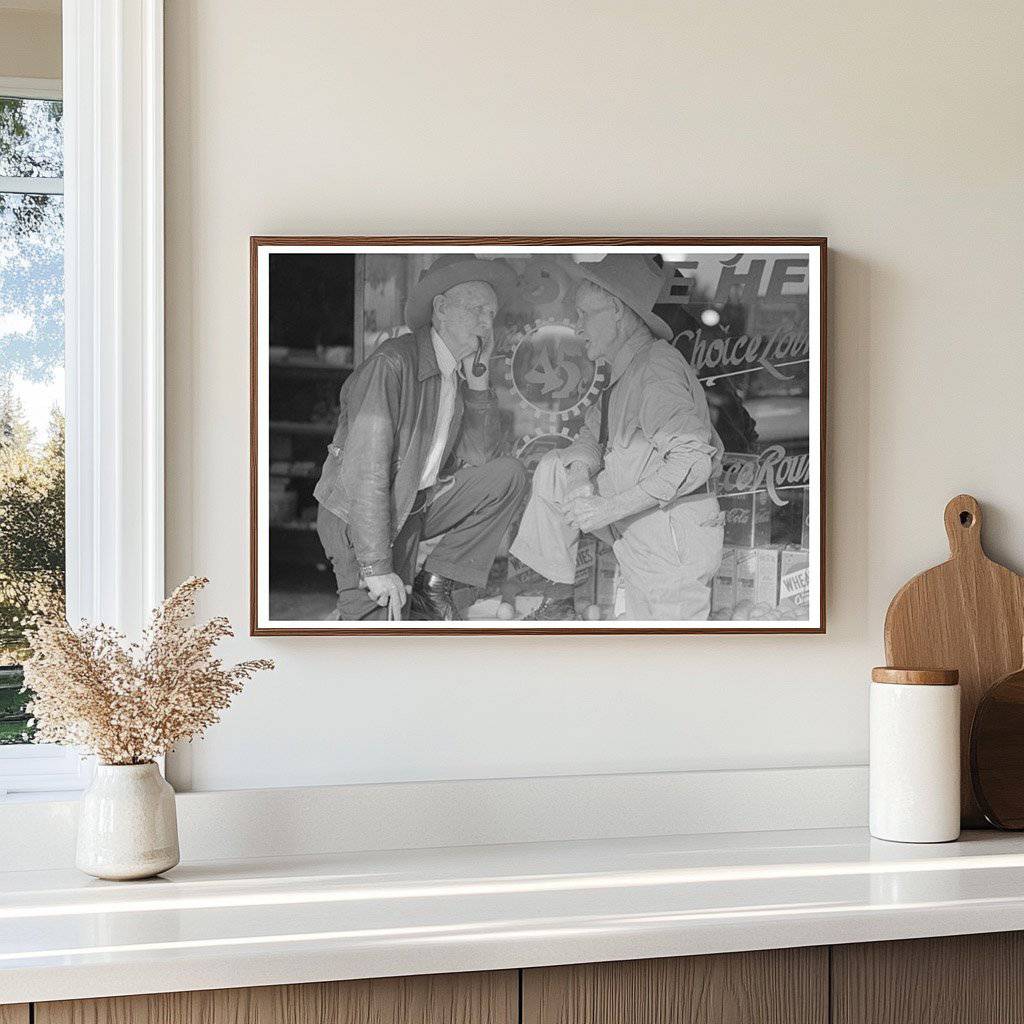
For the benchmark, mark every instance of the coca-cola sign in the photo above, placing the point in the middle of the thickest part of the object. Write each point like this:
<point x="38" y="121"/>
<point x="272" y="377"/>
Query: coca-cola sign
<point x="774" y="470"/>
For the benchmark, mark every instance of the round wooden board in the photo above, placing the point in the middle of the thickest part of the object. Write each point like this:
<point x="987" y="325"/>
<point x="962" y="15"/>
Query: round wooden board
<point x="968" y="614"/>
<point x="997" y="753"/>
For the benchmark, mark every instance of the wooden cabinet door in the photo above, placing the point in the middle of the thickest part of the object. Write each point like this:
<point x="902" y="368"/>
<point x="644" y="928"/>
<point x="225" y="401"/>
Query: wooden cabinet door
<point x="14" y="1013"/>
<point x="478" y="998"/>
<point x="962" y="979"/>
<point x="778" y="986"/>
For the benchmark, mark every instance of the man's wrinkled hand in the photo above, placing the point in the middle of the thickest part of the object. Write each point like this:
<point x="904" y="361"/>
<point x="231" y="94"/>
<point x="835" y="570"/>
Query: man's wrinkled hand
<point x="577" y="482"/>
<point x="592" y="512"/>
<point x="576" y="473"/>
<point x="388" y="591"/>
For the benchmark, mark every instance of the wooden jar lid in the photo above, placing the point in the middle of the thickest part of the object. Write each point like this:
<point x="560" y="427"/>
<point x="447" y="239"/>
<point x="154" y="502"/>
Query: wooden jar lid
<point x="916" y="676"/>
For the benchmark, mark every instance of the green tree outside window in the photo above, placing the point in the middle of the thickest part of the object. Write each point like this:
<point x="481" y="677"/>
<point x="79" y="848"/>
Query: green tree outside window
<point x="31" y="360"/>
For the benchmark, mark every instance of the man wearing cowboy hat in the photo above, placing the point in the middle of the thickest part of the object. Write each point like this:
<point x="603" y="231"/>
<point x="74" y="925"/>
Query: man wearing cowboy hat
<point x="414" y="454"/>
<point x="641" y="471"/>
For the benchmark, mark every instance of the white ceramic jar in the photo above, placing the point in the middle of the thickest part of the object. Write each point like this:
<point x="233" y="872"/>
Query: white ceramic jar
<point x="127" y="824"/>
<point x="915" y="755"/>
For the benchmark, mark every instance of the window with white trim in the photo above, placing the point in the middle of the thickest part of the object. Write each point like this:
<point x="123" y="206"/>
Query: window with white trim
<point x="112" y="166"/>
<point x="32" y="524"/>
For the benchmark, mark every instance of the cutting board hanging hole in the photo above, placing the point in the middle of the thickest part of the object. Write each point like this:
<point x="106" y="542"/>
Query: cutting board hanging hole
<point x="963" y="526"/>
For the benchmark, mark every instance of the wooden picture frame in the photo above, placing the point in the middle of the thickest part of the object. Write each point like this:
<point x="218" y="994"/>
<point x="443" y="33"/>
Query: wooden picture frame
<point x="773" y="259"/>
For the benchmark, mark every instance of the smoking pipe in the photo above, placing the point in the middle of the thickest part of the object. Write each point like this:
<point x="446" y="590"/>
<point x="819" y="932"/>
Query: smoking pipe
<point x="479" y="369"/>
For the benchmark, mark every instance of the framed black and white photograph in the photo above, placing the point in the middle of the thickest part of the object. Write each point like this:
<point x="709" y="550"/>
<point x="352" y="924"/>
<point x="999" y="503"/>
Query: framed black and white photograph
<point x="537" y="435"/>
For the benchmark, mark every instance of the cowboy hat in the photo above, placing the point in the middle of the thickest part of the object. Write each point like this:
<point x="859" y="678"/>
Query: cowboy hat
<point x="446" y="272"/>
<point x="634" y="279"/>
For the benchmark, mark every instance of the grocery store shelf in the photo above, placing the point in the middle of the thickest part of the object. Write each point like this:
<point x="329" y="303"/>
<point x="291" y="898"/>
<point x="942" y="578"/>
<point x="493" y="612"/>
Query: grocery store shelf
<point x="305" y="367"/>
<point x="313" y="429"/>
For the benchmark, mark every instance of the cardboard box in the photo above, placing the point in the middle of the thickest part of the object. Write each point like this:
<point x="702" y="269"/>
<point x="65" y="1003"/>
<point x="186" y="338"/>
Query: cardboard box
<point x="757" y="576"/>
<point x="586" y="569"/>
<point x="607" y="577"/>
<point x="723" y="586"/>
<point x="586" y="559"/>
<point x="795" y="582"/>
<point x="596" y="575"/>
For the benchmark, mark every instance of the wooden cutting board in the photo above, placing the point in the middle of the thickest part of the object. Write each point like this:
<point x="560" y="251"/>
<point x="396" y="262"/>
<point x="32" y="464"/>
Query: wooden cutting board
<point x="967" y="614"/>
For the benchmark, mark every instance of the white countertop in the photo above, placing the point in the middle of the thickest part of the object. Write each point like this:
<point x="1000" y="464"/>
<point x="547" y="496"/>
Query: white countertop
<point x="272" y="921"/>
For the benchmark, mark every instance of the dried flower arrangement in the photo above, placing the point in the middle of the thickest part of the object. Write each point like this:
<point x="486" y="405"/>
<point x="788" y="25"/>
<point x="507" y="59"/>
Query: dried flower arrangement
<point x="130" y="703"/>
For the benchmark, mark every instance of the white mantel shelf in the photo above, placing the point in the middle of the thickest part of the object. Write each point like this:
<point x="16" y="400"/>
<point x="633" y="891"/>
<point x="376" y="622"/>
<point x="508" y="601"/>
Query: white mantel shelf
<point x="222" y="924"/>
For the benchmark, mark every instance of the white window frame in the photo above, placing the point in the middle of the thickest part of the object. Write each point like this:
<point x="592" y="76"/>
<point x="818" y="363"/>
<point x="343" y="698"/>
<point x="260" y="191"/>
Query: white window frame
<point x="31" y="89"/>
<point x="114" y="328"/>
<point x="38" y="767"/>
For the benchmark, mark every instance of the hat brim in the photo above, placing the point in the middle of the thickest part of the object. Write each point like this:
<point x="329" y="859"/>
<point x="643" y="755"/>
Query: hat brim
<point x="419" y="307"/>
<point x="658" y="327"/>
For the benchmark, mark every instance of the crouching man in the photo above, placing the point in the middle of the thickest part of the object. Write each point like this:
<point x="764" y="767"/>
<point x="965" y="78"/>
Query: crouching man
<point x="414" y="454"/>
<point x="641" y="472"/>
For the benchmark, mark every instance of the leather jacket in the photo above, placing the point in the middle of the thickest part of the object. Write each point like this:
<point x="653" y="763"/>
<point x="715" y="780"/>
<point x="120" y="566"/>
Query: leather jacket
<point x="372" y="472"/>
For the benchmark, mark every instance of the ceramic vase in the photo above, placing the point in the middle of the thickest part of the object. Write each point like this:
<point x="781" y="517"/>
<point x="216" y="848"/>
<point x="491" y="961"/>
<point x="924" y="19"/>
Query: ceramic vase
<point x="127" y="825"/>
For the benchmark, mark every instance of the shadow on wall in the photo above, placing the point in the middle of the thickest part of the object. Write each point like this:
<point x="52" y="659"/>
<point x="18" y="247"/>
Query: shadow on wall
<point x="851" y="344"/>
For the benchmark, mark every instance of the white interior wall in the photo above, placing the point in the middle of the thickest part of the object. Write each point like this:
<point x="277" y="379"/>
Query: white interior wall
<point x="895" y="129"/>
<point x="30" y="39"/>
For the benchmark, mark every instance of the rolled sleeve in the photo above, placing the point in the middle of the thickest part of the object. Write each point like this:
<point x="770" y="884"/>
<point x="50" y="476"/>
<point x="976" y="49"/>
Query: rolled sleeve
<point x="673" y="425"/>
<point x="583" y="449"/>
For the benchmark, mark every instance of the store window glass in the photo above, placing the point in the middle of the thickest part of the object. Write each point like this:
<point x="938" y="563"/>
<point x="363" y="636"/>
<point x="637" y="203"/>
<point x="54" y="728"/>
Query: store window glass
<point x="31" y="386"/>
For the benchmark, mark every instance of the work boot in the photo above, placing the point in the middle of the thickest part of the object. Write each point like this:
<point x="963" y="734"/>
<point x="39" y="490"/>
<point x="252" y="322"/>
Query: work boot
<point x="432" y="598"/>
